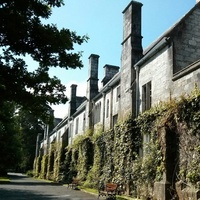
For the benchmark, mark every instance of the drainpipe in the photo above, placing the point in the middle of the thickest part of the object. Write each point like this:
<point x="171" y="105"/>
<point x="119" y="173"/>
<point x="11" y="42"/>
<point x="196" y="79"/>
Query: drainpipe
<point x="111" y="108"/>
<point x="48" y="139"/>
<point x="137" y="68"/>
<point x="103" y="107"/>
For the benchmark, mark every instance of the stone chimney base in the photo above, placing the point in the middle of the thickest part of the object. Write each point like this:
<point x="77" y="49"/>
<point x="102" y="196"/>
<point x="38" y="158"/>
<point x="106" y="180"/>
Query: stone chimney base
<point x="162" y="191"/>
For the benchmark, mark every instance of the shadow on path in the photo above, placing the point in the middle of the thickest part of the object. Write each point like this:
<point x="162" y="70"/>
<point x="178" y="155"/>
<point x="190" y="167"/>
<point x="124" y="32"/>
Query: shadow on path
<point x="6" y="194"/>
<point x="17" y="189"/>
<point x="22" y="187"/>
<point x="24" y="180"/>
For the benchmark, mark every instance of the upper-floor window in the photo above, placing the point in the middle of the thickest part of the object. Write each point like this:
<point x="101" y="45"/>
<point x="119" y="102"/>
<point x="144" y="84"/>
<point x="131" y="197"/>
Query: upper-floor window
<point x="97" y="113"/>
<point x="59" y="134"/>
<point x="146" y="96"/>
<point x="77" y="121"/>
<point x="70" y="130"/>
<point x="107" y="108"/>
<point x="118" y="94"/>
<point x="83" y="121"/>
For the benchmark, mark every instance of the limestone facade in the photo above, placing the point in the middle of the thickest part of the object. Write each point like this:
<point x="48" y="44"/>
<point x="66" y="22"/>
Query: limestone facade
<point x="168" y="68"/>
<point x="170" y="65"/>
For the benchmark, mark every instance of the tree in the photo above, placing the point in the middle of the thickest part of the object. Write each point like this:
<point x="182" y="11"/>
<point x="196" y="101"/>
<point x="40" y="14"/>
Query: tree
<point x="9" y="138"/>
<point x="30" y="126"/>
<point x="22" y="33"/>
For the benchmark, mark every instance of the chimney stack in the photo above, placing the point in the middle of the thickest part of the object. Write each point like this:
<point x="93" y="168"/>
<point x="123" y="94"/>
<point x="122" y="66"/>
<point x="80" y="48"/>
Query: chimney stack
<point x="72" y="102"/>
<point x="92" y="88"/>
<point x="131" y="52"/>
<point x="110" y="71"/>
<point x="92" y="82"/>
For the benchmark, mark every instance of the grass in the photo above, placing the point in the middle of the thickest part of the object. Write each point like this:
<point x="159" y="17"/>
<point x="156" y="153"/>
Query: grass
<point x="125" y="198"/>
<point x="4" y="179"/>
<point x="93" y="191"/>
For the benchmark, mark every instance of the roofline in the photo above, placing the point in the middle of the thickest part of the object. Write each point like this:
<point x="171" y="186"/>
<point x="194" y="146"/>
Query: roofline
<point x="79" y="109"/>
<point x="170" y="30"/>
<point x="190" y="68"/>
<point x="59" y="125"/>
<point x="108" y="85"/>
<point x="155" y="49"/>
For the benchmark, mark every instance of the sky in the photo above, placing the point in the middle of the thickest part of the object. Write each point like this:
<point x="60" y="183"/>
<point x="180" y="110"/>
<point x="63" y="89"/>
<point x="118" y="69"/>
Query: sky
<point x="102" y="21"/>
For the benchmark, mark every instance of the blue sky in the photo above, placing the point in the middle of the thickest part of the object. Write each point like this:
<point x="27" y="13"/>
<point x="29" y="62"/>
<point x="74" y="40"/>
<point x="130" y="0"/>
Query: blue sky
<point x="102" y="21"/>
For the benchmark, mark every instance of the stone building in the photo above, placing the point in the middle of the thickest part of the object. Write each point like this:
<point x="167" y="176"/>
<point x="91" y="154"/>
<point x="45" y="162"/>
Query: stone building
<point x="168" y="68"/>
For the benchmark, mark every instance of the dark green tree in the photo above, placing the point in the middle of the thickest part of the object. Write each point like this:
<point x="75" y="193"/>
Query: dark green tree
<point x="22" y="33"/>
<point x="30" y="126"/>
<point x="10" y="149"/>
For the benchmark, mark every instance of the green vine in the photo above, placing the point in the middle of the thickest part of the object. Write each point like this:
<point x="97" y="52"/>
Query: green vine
<point x="44" y="163"/>
<point x="161" y="144"/>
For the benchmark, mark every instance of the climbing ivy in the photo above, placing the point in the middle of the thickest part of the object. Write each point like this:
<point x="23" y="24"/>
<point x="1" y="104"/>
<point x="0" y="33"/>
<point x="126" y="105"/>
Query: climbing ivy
<point x="44" y="163"/>
<point x="94" y="173"/>
<point x="189" y="133"/>
<point x="135" y="153"/>
<point x="37" y="166"/>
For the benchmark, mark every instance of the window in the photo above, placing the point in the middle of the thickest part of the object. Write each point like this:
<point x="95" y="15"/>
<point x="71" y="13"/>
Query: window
<point x="83" y="121"/>
<point x="97" y="113"/>
<point x="59" y="134"/>
<point x="70" y="130"/>
<point x="77" y="121"/>
<point x="65" y="138"/>
<point x="146" y="96"/>
<point x="107" y="109"/>
<point x="146" y="140"/>
<point x="118" y="94"/>
<point x="115" y="117"/>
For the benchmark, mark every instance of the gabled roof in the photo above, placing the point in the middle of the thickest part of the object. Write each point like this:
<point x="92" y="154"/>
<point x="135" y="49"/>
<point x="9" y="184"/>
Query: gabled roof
<point x="80" y="108"/>
<point x="164" y="39"/>
<point x="171" y="29"/>
<point x="113" y="82"/>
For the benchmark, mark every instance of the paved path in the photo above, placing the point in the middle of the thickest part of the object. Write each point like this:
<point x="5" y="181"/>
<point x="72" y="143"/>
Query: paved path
<point x="24" y="188"/>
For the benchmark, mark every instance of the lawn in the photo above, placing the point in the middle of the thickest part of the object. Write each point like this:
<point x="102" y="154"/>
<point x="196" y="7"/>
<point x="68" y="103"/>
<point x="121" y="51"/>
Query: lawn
<point x="93" y="191"/>
<point x="4" y="179"/>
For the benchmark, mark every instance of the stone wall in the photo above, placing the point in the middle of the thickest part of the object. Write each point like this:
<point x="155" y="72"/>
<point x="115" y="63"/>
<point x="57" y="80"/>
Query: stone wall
<point x="165" y="84"/>
<point x="186" y="39"/>
<point x="106" y="121"/>
<point x="158" y="70"/>
<point x="185" y="81"/>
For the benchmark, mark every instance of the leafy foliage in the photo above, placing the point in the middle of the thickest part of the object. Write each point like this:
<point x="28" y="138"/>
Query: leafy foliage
<point x="9" y="140"/>
<point x="30" y="126"/>
<point x="22" y="33"/>
<point x="189" y="133"/>
<point x="121" y="155"/>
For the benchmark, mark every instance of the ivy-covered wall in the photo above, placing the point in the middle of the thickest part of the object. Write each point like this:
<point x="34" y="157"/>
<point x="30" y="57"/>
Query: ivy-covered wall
<point x="120" y="155"/>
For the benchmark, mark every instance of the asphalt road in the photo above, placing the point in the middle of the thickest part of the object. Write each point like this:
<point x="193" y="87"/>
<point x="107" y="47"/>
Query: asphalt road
<point x="23" y="188"/>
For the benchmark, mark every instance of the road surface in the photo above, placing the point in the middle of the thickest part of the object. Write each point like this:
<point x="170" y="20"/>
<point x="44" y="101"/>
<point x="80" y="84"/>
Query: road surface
<point x="22" y="187"/>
